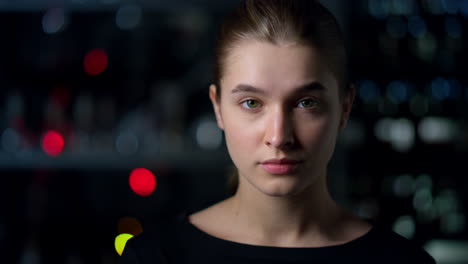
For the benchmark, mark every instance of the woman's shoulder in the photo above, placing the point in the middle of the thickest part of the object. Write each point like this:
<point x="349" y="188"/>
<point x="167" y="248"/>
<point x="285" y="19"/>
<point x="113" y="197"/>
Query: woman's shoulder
<point x="150" y="245"/>
<point x="147" y="239"/>
<point x="383" y="242"/>
<point x="143" y="248"/>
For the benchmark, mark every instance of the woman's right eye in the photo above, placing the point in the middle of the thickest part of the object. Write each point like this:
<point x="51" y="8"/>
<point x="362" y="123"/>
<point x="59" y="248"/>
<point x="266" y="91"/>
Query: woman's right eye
<point x="251" y="104"/>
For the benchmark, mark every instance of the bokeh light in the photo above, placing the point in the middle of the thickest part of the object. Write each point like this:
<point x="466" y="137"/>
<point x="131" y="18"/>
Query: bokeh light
<point x="426" y="46"/>
<point x="405" y="225"/>
<point x="403" y="7"/>
<point x="127" y="143"/>
<point x="403" y="186"/>
<point x="368" y="208"/>
<point x="400" y="133"/>
<point x="128" y="17"/>
<point x="11" y="141"/>
<point x="448" y="251"/>
<point x="368" y="91"/>
<point x="382" y="128"/>
<point x="354" y="134"/>
<point x="129" y="225"/>
<point x="440" y="88"/>
<point x="453" y="223"/>
<point x="422" y="199"/>
<point x="208" y="135"/>
<point x="446" y="202"/>
<point x="379" y="8"/>
<point x="54" y="20"/>
<point x="120" y="242"/>
<point x="53" y="143"/>
<point x="95" y="62"/>
<point x="435" y="7"/>
<point x="142" y="181"/>
<point x="455" y="88"/>
<point x="423" y="181"/>
<point x="464" y="8"/>
<point x="416" y="26"/>
<point x="453" y="27"/>
<point x="398" y="92"/>
<point x="436" y="130"/>
<point x="452" y="6"/>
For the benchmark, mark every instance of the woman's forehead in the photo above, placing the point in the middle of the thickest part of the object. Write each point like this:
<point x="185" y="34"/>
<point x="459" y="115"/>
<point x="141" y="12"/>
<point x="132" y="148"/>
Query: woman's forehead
<point x="269" y="66"/>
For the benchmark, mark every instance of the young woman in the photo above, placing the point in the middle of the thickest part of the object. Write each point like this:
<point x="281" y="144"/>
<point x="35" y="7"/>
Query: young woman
<point x="281" y="97"/>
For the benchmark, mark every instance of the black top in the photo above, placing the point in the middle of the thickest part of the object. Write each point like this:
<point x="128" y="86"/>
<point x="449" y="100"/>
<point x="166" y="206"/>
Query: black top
<point x="184" y="243"/>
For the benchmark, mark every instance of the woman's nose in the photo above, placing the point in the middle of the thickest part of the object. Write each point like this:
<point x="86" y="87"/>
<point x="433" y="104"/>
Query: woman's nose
<point x="280" y="130"/>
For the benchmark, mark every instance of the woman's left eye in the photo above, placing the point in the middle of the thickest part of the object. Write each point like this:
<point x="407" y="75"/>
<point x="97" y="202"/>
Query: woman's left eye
<point x="251" y="104"/>
<point x="308" y="103"/>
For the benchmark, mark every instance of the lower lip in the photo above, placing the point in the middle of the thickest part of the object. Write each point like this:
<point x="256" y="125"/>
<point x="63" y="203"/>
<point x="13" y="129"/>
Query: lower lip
<point x="279" y="168"/>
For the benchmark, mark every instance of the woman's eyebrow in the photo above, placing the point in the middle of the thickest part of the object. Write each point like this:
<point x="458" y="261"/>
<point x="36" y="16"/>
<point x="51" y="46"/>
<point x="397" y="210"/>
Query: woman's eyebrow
<point x="245" y="88"/>
<point x="308" y="87"/>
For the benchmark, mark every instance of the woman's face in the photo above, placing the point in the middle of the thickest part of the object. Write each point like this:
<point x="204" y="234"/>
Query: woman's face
<point x="280" y="111"/>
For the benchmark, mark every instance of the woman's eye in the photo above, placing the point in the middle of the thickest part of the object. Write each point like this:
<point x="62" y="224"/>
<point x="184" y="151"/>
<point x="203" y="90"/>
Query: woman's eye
<point x="251" y="104"/>
<point x="308" y="103"/>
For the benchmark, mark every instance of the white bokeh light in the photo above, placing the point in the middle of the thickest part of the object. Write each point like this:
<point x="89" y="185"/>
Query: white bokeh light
<point x="208" y="135"/>
<point x="436" y="130"/>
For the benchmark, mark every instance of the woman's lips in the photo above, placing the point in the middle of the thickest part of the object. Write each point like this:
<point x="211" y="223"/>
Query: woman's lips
<point x="279" y="167"/>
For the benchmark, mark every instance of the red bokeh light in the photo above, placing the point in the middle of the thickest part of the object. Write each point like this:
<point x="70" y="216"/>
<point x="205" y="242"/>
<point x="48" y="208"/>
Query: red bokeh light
<point x="142" y="181"/>
<point x="95" y="62"/>
<point x="53" y="143"/>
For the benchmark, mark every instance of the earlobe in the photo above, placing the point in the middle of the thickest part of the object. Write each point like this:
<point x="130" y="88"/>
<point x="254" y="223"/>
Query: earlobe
<point x="215" y="102"/>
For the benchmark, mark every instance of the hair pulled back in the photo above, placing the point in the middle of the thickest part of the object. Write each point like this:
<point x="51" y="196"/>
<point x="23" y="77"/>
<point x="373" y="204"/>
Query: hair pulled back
<point x="305" y="22"/>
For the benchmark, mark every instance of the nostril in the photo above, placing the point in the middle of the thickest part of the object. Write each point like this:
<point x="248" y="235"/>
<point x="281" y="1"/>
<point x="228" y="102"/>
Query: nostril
<point x="288" y="143"/>
<point x="280" y="140"/>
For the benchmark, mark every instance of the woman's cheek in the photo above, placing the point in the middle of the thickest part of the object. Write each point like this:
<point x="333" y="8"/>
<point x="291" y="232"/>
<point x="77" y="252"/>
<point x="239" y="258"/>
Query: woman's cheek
<point x="239" y="135"/>
<point x="318" y="134"/>
<point x="234" y="132"/>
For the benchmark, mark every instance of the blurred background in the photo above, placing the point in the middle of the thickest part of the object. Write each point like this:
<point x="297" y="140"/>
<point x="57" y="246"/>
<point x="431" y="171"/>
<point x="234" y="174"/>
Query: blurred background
<point x="106" y="127"/>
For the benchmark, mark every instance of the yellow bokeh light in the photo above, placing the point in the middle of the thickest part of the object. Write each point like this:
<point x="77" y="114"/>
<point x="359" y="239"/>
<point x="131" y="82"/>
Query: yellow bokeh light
<point x="121" y="241"/>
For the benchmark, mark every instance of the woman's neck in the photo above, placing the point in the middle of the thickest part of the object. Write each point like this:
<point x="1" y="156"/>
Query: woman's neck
<point x="284" y="220"/>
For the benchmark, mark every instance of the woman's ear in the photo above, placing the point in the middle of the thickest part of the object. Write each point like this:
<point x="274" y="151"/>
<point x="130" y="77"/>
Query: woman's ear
<point x="215" y="102"/>
<point x="347" y="105"/>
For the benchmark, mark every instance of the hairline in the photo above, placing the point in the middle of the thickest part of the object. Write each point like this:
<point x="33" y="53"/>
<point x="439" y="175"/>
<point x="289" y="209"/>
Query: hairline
<point x="244" y="38"/>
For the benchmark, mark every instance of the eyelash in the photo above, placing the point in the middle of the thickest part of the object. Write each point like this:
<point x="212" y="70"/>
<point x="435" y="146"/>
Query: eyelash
<point x="316" y="103"/>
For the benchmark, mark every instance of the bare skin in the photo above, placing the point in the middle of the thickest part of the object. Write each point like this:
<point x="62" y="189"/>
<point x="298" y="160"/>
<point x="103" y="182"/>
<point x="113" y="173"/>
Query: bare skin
<point x="280" y="119"/>
<point x="224" y="222"/>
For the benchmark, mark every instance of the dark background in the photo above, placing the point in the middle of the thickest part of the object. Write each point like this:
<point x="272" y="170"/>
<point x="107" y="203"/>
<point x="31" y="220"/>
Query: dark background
<point x="401" y="161"/>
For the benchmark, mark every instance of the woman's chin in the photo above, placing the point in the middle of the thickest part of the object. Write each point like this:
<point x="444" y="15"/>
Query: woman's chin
<point x="280" y="187"/>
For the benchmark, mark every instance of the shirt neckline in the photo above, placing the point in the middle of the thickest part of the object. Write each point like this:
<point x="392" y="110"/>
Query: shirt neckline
<point x="220" y="241"/>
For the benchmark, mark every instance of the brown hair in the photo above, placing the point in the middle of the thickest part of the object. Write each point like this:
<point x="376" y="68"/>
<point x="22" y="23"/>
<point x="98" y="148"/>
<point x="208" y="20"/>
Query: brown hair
<point x="306" y="22"/>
